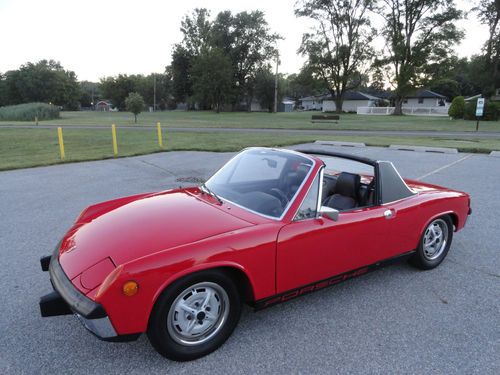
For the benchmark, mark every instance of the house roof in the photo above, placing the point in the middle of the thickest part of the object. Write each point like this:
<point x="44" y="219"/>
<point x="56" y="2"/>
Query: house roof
<point x="355" y="95"/>
<point x="424" y="93"/>
<point x="472" y="97"/>
<point x="313" y="97"/>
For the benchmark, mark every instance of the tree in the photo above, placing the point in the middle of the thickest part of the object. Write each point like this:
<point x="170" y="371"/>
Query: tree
<point x="212" y="76"/>
<point x="44" y="81"/>
<point x="135" y="104"/>
<point x="489" y="14"/>
<point x="447" y="87"/>
<point x="182" y="86"/>
<point x="305" y="84"/>
<point x="264" y="88"/>
<point x="117" y="89"/>
<point x="457" y="107"/>
<point x="247" y="40"/>
<point x="3" y="91"/>
<point x="417" y="33"/>
<point x="338" y="47"/>
<point x="89" y="93"/>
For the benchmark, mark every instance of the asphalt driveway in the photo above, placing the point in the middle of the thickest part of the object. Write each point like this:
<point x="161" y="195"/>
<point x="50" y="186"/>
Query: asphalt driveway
<point x="397" y="320"/>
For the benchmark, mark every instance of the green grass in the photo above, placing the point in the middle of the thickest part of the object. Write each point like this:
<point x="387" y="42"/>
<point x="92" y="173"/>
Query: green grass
<point x="21" y="148"/>
<point x="295" y="120"/>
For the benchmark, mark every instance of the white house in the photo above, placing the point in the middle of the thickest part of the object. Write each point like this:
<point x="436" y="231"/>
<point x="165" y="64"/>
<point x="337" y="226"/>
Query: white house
<point x="352" y="100"/>
<point x="425" y="98"/>
<point x="312" y="103"/>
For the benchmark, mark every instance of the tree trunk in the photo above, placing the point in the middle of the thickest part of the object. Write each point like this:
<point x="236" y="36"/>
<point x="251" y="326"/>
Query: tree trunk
<point x="339" y="101"/>
<point x="135" y="118"/>
<point x="398" y="106"/>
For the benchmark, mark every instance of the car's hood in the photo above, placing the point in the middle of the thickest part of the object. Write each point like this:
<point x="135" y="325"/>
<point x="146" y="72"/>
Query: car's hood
<point x="130" y="228"/>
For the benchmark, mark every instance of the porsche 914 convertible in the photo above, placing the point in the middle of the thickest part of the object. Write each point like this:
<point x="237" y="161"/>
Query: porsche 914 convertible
<point x="269" y="226"/>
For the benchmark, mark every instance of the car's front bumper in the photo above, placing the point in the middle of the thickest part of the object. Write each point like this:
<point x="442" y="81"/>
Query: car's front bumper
<point x="66" y="299"/>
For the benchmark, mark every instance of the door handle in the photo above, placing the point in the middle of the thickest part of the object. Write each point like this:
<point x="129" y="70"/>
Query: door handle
<point x="388" y="214"/>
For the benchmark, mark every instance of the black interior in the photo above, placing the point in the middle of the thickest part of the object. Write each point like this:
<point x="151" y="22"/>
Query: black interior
<point x="346" y="191"/>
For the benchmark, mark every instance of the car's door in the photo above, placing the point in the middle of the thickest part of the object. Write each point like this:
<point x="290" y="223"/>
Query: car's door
<point x="315" y="248"/>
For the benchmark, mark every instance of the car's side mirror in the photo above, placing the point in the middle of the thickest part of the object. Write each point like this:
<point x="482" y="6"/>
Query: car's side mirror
<point x="332" y="213"/>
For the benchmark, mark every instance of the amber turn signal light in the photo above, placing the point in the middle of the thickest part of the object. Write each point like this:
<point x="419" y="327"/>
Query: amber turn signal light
<point x="130" y="288"/>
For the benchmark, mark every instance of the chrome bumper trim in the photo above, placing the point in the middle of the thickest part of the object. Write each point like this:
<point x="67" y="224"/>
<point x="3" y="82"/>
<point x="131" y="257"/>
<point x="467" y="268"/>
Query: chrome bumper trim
<point x="100" y="327"/>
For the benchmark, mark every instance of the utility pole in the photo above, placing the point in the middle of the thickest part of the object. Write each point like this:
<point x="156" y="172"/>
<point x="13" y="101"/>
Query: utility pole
<point x="276" y="83"/>
<point x="154" y="92"/>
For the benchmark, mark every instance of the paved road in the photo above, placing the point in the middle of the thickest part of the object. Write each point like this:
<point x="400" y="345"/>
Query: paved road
<point x="397" y="320"/>
<point x="372" y="133"/>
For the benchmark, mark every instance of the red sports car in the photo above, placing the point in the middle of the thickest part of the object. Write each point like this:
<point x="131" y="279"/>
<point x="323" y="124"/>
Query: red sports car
<point x="269" y="226"/>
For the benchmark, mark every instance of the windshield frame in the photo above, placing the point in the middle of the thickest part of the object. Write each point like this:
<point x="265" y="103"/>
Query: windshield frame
<point x="291" y="201"/>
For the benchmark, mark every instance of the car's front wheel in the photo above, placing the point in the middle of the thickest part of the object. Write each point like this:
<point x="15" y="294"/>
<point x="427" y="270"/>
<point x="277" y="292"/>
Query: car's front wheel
<point x="195" y="315"/>
<point x="434" y="244"/>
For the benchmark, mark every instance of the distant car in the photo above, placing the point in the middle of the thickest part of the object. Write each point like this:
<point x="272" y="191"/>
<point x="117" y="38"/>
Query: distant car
<point x="269" y="226"/>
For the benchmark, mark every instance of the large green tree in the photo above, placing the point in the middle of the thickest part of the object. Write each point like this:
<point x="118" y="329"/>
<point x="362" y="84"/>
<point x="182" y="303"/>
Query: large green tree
<point x="264" y="88"/>
<point x="417" y="33"/>
<point x="212" y="78"/>
<point x="338" y="47"/>
<point x="180" y="68"/>
<point x="488" y="12"/>
<point x="247" y="40"/>
<point x="243" y="38"/>
<point x="44" y="81"/>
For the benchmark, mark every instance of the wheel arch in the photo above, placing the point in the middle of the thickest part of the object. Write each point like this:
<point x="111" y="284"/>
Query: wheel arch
<point x="238" y="274"/>
<point x="453" y="217"/>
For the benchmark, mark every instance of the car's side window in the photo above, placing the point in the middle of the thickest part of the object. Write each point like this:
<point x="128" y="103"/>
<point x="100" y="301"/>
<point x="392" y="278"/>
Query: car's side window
<point x="309" y="207"/>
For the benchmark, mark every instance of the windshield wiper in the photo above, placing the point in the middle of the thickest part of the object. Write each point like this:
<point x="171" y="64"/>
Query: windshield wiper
<point x="206" y="190"/>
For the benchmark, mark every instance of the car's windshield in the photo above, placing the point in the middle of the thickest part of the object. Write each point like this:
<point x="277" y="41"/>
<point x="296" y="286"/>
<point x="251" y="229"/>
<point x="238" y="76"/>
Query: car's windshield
<point x="262" y="180"/>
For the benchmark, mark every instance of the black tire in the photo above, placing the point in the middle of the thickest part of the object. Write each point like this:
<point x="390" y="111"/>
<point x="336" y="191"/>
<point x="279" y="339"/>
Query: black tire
<point x="423" y="257"/>
<point x="165" y="336"/>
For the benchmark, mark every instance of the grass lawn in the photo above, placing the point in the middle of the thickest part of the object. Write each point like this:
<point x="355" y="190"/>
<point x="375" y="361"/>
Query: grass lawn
<point x="21" y="148"/>
<point x="295" y="120"/>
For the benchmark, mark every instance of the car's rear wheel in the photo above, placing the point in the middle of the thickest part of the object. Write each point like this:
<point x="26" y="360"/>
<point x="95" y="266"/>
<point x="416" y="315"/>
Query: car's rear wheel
<point x="195" y="315"/>
<point x="434" y="244"/>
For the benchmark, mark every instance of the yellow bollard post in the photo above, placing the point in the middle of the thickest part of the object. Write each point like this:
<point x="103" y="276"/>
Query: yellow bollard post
<point x="160" y="138"/>
<point x="61" y="142"/>
<point x="115" y="144"/>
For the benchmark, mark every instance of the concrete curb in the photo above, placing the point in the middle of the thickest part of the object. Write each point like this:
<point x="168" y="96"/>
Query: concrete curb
<point x="439" y="150"/>
<point x="495" y="154"/>
<point x="340" y="143"/>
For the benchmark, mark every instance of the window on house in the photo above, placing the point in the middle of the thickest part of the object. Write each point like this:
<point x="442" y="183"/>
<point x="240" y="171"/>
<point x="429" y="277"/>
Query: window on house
<point x="405" y="101"/>
<point x="420" y="100"/>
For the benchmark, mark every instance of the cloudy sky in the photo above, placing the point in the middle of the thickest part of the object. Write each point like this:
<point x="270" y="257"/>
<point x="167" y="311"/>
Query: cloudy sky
<point x="107" y="37"/>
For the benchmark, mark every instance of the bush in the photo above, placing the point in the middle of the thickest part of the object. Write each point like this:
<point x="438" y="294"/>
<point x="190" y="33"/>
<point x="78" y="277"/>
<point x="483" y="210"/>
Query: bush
<point x="28" y="112"/>
<point x="491" y="111"/>
<point x="457" y="108"/>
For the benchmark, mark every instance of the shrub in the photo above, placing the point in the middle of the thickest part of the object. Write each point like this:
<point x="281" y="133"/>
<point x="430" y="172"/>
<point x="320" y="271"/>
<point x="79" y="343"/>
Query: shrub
<point x="491" y="111"/>
<point x="28" y="112"/>
<point x="457" y="108"/>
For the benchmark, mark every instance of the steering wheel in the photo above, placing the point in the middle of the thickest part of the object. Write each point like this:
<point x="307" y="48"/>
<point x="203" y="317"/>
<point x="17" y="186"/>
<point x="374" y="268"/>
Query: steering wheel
<point x="275" y="192"/>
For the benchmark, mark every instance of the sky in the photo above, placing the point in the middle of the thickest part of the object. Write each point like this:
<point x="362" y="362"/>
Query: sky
<point x="107" y="37"/>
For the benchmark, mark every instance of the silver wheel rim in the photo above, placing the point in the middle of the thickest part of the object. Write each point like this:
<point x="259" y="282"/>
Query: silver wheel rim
<point x="198" y="313"/>
<point x="435" y="239"/>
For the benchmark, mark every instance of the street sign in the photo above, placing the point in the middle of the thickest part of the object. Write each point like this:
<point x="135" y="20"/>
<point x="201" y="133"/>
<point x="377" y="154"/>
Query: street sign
<point x="480" y="107"/>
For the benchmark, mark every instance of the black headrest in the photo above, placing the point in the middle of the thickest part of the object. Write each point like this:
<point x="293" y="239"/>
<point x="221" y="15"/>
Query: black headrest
<point x="296" y="177"/>
<point x="347" y="184"/>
